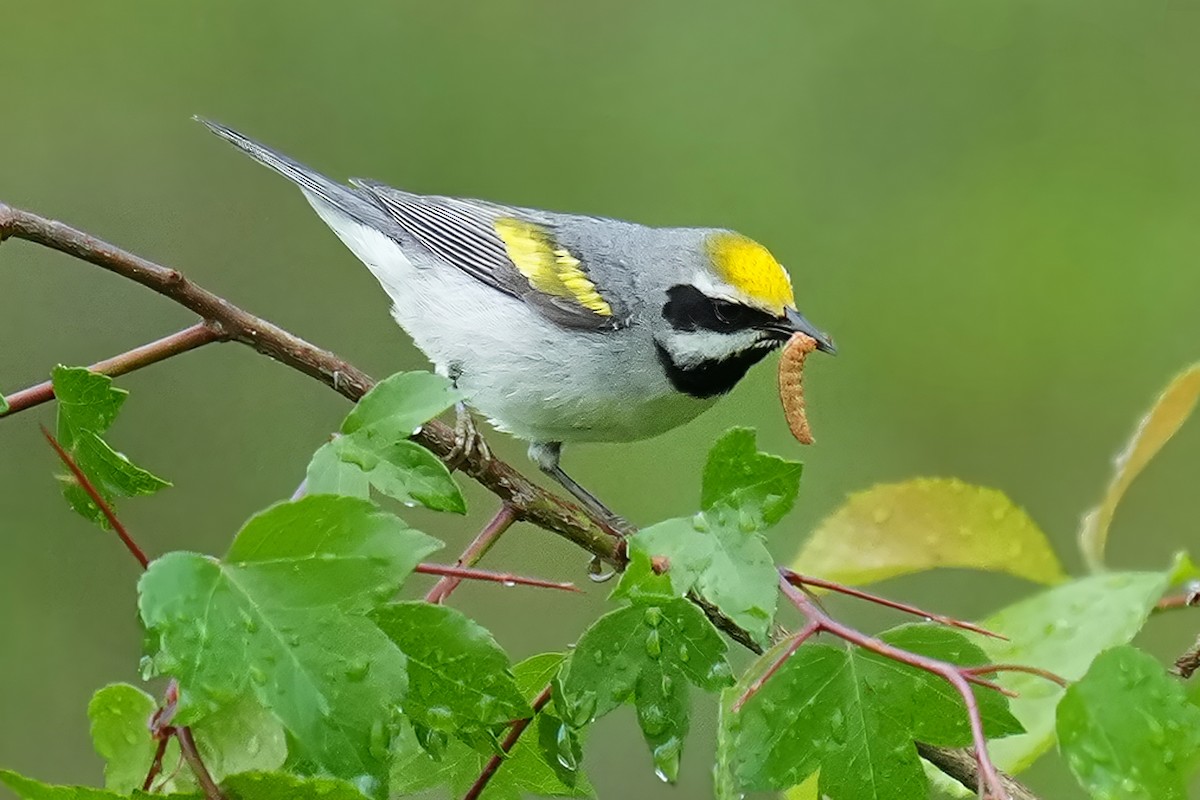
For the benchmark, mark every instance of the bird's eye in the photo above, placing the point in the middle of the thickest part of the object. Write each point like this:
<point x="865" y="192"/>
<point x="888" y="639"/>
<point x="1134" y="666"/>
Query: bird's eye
<point x="730" y="313"/>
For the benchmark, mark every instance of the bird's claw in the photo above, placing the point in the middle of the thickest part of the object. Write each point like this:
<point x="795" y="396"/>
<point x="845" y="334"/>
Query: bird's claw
<point x="468" y="441"/>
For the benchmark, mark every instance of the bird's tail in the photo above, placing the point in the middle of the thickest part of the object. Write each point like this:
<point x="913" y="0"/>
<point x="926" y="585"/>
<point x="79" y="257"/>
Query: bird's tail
<point x="314" y="185"/>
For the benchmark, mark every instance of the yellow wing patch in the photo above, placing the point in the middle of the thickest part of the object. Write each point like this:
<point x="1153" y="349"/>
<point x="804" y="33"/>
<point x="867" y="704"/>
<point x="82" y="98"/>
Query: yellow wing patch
<point x="751" y="269"/>
<point x="549" y="268"/>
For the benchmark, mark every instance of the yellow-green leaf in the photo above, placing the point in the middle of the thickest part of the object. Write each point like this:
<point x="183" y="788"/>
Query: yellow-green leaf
<point x="807" y="790"/>
<point x="1170" y="411"/>
<point x="900" y="528"/>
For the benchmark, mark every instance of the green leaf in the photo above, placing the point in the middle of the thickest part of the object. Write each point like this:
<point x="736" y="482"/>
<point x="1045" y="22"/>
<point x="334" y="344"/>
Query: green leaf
<point x="4" y="408"/>
<point x="374" y="449"/>
<point x="854" y="715"/>
<point x="29" y="789"/>
<point x="282" y="786"/>
<point x="1165" y="418"/>
<point x="397" y="406"/>
<point x="710" y="554"/>
<point x="720" y="553"/>
<point x="1062" y="630"/>
<point x="757" y="485"/>
<point x="88" y="404"/>
<point x="120" y="716"/>
<point x="284" y="615"/>
<point x="402" y="470"/>
<point x="647" y="655"/>
<point x="901" y="528"/>
<point x="459" y="679"/>
<point x="329" y="474"/>
<point x="237" y="738"/>
<point x="532" y="767"/>
<point x="1128" y="731"/>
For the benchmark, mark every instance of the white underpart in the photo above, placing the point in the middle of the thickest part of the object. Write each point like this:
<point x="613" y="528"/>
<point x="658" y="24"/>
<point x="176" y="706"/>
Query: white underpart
<point x="530" y="377"/>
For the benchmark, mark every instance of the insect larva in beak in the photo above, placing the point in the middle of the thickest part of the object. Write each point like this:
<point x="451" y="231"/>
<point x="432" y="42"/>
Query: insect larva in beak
<point x="791" y="384"/>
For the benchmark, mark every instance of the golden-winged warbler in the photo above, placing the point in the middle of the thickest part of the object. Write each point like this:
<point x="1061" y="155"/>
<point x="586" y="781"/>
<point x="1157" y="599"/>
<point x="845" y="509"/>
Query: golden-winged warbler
<point x="561" y="327"/>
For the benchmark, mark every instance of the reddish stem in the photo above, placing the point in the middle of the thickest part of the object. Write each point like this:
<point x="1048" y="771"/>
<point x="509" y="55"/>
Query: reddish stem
<point x="100" y="502"/>
<point x="200" y="334"/>
<point x="953" y="674"/>
<point x="469" y="574"/>
<point x="475" y="551"/>
<point x="989" y="669"/>
<point x="187" y="746"/>
<point x="156" y="764"/>
<point x="510" y="741"/>
<point x="799" y="638"/>
<point x="798" y="580"/>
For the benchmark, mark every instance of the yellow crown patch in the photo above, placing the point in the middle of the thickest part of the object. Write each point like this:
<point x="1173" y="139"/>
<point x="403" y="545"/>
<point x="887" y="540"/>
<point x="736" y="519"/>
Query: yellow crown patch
<point x="751" y="269"/>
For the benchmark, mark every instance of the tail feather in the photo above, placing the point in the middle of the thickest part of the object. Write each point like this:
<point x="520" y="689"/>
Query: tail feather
<point x="314" y="185"/>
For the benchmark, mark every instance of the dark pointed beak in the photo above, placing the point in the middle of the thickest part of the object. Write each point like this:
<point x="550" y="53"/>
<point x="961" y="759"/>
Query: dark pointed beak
<point x="794" y="322"/>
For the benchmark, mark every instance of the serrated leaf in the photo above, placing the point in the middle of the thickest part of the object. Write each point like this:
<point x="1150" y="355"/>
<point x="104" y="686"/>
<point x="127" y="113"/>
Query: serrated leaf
<point x="854" y="715"/>
<point x="400" y="404"/>
<point x="283" y="786"/>
<point x="712" y="555"/>
<point x="758" y="485"/>
<point x="374" y="449"/>
<point x="459" y="679"/>
<point x="402" y="470"/>
<point x="720" y="553"/>
<point x="241" y="737"/>
<point x="647" y="655"/>
<point x="120" y="717"/>
<point x="901" y="528"/>
<point x="1127" y="730"/>
<point x="29" y="789"/>
<point x="1062" y="630"/>
<point x="1165" y="418"/>
<point x="88" y="404"/>
<point x="284" y="615"/>
<point x="532" y="767"/>
<point x="329" y="474"/>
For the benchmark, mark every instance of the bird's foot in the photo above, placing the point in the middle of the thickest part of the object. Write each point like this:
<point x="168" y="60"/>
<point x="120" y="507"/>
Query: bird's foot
<point x="468" y="441"/>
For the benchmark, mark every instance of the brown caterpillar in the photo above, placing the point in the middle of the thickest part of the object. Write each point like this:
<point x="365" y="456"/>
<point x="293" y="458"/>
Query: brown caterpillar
<point x="791" y="385"/>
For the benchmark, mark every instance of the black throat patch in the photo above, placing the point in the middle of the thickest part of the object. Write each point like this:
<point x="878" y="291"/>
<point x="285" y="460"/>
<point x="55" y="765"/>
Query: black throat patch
<point x="711" y="377"/>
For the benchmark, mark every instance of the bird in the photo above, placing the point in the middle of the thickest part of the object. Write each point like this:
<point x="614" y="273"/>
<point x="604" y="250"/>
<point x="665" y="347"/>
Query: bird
<point x="560" y="328"/>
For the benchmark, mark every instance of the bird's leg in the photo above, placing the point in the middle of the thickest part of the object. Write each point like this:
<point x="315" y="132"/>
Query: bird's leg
<point x="467" y="438"/>
<point x="546" y="455"/>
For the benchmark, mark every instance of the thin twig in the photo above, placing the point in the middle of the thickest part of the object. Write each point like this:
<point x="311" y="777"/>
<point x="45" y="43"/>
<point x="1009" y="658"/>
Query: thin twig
<point x="531" y="502"/>
<point x="187" y="746"/>
<point x="190" y="338"/>
<point x="989" y="778"/>
<point x="156" y="764"/>
<point x="1188" y="663"/>
<point x="507" y="578"/>
<point x="1185" y="599"/>
<point x="100" y="502"/>
<point x="801" y="636"/>
<point x="961" y="765"/>
<point x="991" y="669"/>
<point x="510" y="741"/>
<point x="475" y="551"/>
<point x="800" y="581"/>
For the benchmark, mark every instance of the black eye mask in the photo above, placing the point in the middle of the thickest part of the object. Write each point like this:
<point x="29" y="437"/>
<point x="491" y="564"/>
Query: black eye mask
<point x="689" y="309"/>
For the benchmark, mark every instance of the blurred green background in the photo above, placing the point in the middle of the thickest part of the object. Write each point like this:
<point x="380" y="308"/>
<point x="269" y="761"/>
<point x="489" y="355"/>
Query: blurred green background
<point x="992" y="205"/>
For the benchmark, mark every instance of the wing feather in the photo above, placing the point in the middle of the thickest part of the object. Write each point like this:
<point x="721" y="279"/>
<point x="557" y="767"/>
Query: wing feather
<point x="466" y="234"/>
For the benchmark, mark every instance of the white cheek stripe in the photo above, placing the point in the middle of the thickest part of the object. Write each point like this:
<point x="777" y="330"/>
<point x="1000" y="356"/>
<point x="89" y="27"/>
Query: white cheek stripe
<point x="691" y="348"/>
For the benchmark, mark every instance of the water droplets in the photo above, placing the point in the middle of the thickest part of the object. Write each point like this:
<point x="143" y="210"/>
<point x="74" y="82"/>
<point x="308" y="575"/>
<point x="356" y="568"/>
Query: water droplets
<point x="653" y="643"/>
<point x="666" y="759"/>
<point x="356" y="671"/>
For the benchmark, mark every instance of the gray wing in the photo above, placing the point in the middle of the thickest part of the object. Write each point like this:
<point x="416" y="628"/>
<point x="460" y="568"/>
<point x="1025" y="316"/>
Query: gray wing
<point x="463" y="233"/>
